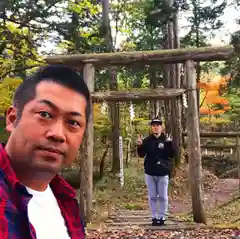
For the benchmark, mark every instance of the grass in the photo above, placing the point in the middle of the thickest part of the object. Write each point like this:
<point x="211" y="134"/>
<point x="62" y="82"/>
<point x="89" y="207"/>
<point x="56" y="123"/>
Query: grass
<point x="222" y="216"/>
<point x="108" y="195"/>
<point x="227" y="215"/>
<point x="133" y="193"/>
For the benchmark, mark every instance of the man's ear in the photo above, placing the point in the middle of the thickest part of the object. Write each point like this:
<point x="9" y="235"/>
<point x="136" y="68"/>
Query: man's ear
<point x="11" y="118"/>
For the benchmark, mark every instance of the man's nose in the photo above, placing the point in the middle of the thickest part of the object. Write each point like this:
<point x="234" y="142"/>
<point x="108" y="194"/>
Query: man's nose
<point x="56" y="132"/>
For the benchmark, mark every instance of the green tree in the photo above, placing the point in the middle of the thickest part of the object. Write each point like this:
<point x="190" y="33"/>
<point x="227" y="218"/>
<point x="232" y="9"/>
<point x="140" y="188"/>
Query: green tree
<point x="232" y="66"/>
<point x="204" y="20"/>
<point x="17" y="51"/>
<point x="234" y="103"/>
<point x="7" y="88"/>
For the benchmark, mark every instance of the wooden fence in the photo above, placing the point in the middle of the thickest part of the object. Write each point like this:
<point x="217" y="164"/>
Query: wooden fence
<point x="236" y="146"/>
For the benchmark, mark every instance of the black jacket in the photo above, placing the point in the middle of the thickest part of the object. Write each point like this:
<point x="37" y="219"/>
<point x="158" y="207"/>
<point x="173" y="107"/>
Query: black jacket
<point x="157" y="153"/>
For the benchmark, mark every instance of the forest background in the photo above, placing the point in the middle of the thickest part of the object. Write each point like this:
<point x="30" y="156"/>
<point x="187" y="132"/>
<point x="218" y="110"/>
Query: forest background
<point x="31" y="30"/>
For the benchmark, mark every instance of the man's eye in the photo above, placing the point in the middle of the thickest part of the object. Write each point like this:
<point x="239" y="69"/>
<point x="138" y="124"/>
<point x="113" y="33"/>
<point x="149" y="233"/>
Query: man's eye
<point x="45" y="114"/>
<point x="73" y="123"/>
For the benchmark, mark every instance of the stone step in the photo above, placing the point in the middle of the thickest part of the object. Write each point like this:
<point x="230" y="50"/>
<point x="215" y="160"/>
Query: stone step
<point x="167" y="227"/>
<point x="137" y="221"/>
<point x="131" y="213"/>
<point x="142" y="223"/>
<point x="137" y="217"/>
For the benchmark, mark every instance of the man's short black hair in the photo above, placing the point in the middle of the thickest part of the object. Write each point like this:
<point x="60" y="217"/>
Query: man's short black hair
<point x="59" y="74"/>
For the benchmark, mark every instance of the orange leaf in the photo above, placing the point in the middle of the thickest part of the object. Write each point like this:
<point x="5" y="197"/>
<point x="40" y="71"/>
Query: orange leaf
<point x="217" y="100"/>
<point x="227" y="107"/>
<point x="217" y="112"/>
<point x="204" y="110"/>
<point x="202" y="85"/>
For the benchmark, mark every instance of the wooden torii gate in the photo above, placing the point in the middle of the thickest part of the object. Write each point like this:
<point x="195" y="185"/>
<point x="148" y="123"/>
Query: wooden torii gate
<point x="186" y="56"/>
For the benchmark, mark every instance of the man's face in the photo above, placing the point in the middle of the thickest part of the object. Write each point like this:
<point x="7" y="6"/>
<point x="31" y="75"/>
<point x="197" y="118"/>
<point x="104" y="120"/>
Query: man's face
<point x="48" y="135"/>
<point x="156" y="128"/>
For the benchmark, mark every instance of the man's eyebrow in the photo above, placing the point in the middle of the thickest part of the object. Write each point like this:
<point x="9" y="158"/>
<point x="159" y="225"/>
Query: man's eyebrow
<point x="52" y="105"/>
<point x="48" y="103"/>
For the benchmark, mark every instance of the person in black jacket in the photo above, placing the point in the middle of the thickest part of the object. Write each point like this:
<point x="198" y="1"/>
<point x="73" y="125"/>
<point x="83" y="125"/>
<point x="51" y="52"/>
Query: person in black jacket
<point x="157" y="151"/>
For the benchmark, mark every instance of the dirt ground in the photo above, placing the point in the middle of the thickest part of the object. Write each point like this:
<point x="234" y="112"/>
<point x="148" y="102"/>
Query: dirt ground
<point x="135" y="224"/>
<point x="176" y="234"/>
<point x="222" y="191"/>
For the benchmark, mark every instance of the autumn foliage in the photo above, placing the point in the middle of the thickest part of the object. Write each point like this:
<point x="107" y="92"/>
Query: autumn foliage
<point x="212" y="102"/>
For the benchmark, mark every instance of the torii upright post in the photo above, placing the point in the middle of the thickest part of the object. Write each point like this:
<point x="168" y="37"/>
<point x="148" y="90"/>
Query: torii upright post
<point x="86" y="161"/>
<point x="194" y="148"/>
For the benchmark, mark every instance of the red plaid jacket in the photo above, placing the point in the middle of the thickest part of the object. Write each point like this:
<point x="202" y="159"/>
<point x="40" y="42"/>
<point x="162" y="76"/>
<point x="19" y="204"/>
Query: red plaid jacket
<point x="14" y="198"/>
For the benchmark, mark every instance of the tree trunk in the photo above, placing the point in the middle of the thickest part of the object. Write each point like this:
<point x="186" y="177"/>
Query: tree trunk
<point x="197" y="22"/>
<point x="166" y="82"/>
<point x="178" y="99"/>
<point x="114" y="107"/>
<point x="102" y="162"/>
<point x="73" y="32"/>
<point x="153" y="85"/>
<point x="174" y="82"/>
<point x="176" y="44"/>
<point x="128" y="121"/>
<point x="114" y="113"/>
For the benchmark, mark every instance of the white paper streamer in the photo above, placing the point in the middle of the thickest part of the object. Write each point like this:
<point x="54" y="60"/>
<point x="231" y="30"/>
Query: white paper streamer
<point x="121" y="161"/>
<point x="132" y="113"/>
<point x="184" y="98"/>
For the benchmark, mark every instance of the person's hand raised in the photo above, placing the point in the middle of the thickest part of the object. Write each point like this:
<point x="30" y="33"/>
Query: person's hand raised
<point x="139" y="140"/>
<point x="169" y="137"/>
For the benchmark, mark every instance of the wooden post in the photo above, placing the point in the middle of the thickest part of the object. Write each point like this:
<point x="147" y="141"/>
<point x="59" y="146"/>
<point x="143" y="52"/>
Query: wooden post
<point x="238" y="157"/>
<point x="86" y="162"/>
<point x="194" y="148"/>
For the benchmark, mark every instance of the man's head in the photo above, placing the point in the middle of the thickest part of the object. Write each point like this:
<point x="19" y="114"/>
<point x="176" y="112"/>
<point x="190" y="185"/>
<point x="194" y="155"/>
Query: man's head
<point x="156" y="126"/>
<point x="47" y="120"/>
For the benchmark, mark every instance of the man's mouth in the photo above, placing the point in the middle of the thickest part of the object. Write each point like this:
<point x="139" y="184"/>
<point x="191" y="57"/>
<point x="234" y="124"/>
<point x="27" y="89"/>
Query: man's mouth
<point x="51" y="150"/>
